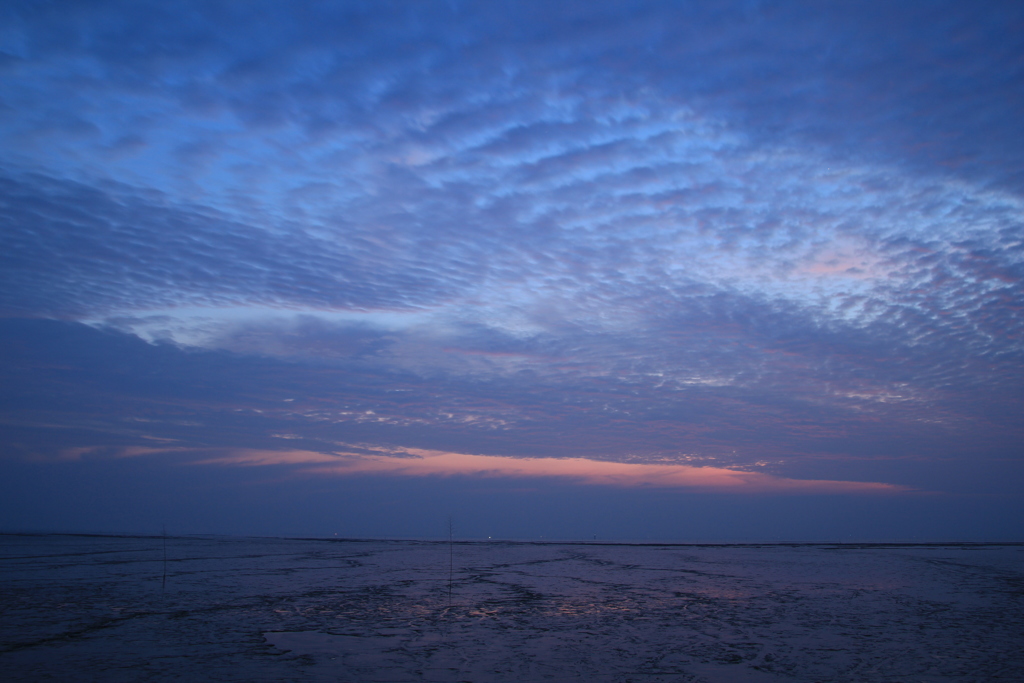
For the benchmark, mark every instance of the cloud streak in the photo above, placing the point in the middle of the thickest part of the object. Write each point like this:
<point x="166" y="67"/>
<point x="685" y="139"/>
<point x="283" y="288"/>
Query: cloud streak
<point x="426" y="463"/>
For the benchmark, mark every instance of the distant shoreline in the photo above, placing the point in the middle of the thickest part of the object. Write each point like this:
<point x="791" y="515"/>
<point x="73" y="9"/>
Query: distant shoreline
<point x="528" y="541"/>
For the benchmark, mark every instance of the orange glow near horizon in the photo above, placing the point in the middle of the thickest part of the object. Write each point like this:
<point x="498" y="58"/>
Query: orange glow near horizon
<point x="413" y="462"/>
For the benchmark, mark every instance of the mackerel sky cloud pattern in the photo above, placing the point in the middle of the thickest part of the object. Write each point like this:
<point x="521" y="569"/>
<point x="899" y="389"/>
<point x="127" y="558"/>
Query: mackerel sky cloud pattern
<point x="777" y="237"/>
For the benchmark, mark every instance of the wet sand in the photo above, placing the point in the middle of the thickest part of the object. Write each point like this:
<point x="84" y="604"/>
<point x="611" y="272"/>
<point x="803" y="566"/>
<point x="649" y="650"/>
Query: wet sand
<point x="83" y="608"/>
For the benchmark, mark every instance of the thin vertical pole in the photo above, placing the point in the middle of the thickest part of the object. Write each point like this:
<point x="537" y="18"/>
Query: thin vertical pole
<point x="451" y="558"/>
<point x="163" y="584"/>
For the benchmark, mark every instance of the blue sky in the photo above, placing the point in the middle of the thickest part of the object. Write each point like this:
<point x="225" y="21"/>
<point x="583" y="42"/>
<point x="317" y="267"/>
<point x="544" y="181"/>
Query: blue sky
<point x="664" y="269"/>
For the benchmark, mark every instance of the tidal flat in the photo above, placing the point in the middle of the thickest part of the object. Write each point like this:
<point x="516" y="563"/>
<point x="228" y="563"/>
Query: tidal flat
<point x="121" y="608"/>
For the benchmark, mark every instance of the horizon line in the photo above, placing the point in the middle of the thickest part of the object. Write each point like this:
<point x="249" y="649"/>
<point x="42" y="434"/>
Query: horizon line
<point x="541" y="540"/>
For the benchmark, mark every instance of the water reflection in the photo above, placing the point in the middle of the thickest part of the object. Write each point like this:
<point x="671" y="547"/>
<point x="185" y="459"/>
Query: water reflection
<point x="344" y="611"/>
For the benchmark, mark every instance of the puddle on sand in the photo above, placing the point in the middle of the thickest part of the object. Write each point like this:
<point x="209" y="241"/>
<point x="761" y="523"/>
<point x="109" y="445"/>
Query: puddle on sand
<point x="314" y="642"/>
<point x="730" y="673"/>
<point x="339" y="657"/>
<point x="329" y="646"/>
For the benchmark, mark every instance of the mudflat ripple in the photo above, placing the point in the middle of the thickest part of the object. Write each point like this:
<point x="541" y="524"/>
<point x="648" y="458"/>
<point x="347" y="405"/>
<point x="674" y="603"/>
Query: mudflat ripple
<point x="100" y="608"/>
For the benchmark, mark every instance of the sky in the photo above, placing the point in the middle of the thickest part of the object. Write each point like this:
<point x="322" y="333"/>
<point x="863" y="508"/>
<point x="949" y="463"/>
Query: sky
<point x="694" y="271"/>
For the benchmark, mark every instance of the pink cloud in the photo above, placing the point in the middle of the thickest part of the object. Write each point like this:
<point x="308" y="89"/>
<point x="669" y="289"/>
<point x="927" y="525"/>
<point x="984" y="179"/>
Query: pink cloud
<point x="413" y="462"/>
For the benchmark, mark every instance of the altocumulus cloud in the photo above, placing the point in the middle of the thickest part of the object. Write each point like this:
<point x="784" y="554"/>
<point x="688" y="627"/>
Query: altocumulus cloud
<point x="760" y="237"/>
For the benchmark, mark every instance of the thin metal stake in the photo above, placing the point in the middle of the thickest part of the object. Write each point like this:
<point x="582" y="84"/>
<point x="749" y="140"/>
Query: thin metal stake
<point x="163" y="584"/>
<point x="451" y="558"/>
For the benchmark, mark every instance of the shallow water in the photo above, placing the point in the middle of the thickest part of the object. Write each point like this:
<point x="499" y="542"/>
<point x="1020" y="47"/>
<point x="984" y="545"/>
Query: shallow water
<point x="78" y="608"/>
